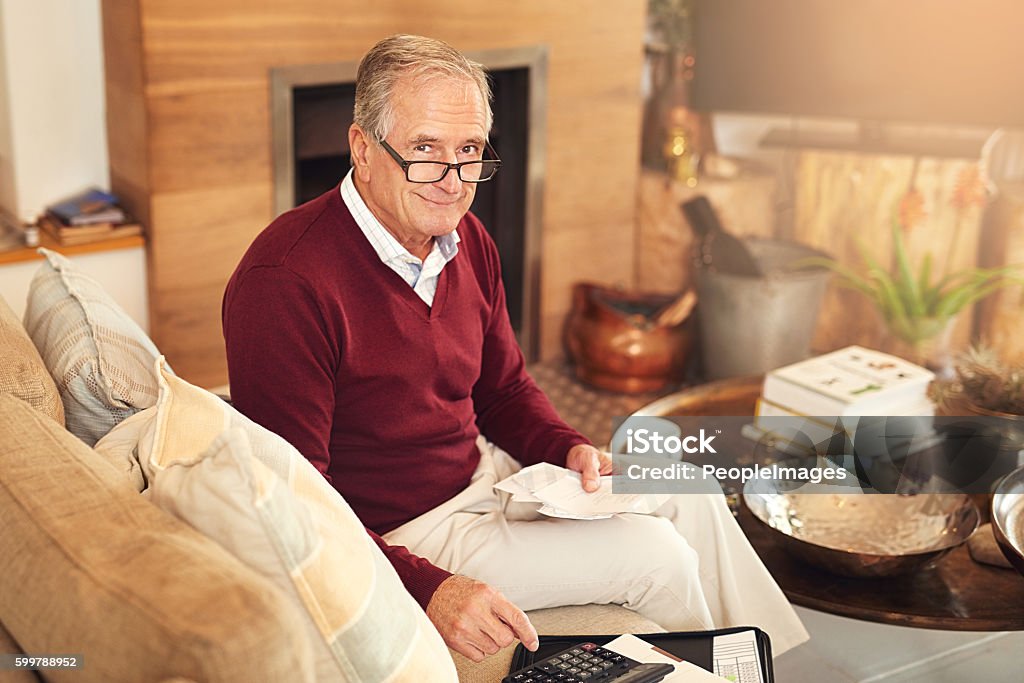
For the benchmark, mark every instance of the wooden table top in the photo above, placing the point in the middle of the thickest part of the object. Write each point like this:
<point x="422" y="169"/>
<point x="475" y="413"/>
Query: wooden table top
<point x="956" y="593"/>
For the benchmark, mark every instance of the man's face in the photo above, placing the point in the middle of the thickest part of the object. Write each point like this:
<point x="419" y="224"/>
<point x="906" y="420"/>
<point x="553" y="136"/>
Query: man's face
<point x="435" y="119"/>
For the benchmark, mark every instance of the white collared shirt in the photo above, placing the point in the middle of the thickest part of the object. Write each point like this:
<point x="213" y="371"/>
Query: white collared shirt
<point x="421" y="275"/>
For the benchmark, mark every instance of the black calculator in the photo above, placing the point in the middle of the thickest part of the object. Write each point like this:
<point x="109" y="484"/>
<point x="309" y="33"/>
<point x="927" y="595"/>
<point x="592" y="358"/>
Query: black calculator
<point x="586" y="663"/>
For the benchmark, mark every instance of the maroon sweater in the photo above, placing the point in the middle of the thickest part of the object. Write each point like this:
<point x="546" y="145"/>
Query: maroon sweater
<point x="331" y="349"/>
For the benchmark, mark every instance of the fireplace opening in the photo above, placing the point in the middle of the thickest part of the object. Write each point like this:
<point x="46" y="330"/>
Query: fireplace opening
<point x="313" y="111"/>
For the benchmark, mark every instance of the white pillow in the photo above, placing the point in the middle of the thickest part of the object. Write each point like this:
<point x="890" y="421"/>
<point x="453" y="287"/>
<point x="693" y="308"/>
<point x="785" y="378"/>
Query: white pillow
<point x="120" y="447"/>
<point x="252" y="492"/>
<point x="100" y="359"/>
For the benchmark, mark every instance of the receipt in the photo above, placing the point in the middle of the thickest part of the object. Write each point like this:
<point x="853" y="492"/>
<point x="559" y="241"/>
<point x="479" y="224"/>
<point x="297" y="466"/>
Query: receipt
<point x="561" y="494"/>
<point x="568" y="494"/>
<point x="644" y="652"/>
<point x="522" y="484"/>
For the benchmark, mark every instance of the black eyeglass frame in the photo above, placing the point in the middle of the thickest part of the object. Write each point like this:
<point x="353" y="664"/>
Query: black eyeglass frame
<point x="458" y="167"/>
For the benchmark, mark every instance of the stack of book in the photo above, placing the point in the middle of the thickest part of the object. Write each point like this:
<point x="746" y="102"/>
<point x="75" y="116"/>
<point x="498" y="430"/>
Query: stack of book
<point x="846" y="391"/>
<point x="90" y="216"/>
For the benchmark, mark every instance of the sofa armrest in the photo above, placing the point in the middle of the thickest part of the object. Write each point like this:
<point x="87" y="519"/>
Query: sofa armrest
<point x="9" y="646"/>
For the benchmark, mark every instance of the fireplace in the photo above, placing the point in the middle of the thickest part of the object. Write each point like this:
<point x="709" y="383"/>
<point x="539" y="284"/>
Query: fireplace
<point x="311" y="113"/>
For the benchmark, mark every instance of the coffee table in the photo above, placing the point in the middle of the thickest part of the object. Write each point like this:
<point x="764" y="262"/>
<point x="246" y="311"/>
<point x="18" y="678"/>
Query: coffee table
<point x="956" y="593"/>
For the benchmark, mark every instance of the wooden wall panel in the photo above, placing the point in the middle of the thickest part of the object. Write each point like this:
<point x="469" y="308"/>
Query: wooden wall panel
<point x="127" y="122"/>
<point x="845" y="198"/>
<point x="206" y="96"/>
<point x="1001" y="316"/>
<point x="210" y="139"/>
<point x="211" y="229"/>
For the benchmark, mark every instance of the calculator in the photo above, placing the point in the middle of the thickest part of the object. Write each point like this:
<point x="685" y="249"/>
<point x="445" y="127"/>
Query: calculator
<point x="586" y="663"/>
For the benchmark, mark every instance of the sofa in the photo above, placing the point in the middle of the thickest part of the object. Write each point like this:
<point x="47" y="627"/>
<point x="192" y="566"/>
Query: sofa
<point x="146" y="588"/>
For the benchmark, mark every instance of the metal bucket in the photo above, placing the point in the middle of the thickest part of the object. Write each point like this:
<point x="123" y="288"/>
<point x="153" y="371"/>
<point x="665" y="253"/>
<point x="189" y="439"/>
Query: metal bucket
<point x="749" y="325"/>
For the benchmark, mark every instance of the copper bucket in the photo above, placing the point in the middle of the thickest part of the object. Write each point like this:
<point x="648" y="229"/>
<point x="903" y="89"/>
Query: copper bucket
<point x="617" y="343"/>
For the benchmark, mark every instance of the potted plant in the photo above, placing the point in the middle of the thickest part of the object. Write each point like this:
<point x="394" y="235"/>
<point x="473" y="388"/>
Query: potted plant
<point x="989" y="385"/>
<point x="918" y="302"/>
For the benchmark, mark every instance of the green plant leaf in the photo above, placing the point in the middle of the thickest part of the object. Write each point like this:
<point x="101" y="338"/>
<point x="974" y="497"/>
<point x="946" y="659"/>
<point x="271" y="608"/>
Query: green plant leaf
<point x="968" y="294"/>
<point x="907" y="282"/>
<point x="889" y="300"/>
<point x="925" y="276"/>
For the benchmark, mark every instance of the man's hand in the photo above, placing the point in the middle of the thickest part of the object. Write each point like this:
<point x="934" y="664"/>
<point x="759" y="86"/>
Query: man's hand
<point x="590" y="463"/>
<point x="476" y="620"/>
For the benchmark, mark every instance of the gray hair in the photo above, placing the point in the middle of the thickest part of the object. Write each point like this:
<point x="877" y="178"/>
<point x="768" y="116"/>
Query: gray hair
<point x="404" y="55"/>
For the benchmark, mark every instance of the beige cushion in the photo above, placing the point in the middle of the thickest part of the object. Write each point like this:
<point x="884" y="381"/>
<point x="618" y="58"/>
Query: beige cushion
<point x="100" y="359"/>
<point x="22" y="372"/>
<point x="251" y="491"/>
<point x="120" y="448"/>
<point x="574" y="620"/>
<point x="90" y="567"/>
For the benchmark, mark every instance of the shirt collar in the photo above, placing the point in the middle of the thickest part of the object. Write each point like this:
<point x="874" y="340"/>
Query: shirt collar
<point x="388" y="248"/>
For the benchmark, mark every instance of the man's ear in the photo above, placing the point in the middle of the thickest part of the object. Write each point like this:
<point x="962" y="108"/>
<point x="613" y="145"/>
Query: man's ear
<point x="359" y="148"/>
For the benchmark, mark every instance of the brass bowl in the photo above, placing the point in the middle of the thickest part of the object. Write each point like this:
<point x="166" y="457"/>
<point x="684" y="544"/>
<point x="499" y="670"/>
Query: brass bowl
<point x="846" y="531"/>
<point x="1008" y="517"/>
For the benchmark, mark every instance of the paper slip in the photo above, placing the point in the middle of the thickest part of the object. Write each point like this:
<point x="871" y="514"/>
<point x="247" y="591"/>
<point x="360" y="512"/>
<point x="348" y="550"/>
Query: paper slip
<point x="567" y="494"/>
<point x="529" y="479"/>
<point x="561" y="494"/>
<point x="522" y="483"/>
<point x="555" y="512"/>
<point x="736" y="657"/>
<point x="644" y="652"/>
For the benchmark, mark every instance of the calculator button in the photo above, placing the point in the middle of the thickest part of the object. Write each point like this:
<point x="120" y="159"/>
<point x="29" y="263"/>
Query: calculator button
<point x="563" y="666"/>
<point x="594" y="669"/>
<point x="572" y="671"/>
<point x="586" y="656"/>
<point x="575" y="660"/>
<point x="565" y="655"/>
<point x="606" y="665"/>
<point x="576" y="651"/>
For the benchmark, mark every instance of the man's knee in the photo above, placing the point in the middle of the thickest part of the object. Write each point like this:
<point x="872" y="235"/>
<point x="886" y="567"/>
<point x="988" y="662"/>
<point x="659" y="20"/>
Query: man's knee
<point x="662" y="551"/>
<point x="702" y="507"/>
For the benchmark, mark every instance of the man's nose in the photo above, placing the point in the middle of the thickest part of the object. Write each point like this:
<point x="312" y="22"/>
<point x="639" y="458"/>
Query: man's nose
<point x="451" y="183"/>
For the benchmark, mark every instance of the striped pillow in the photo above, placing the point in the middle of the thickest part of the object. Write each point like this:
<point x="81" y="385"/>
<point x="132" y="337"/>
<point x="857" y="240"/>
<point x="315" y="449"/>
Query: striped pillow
<point x="252" y="492"/>
<point x="100" y="359"/>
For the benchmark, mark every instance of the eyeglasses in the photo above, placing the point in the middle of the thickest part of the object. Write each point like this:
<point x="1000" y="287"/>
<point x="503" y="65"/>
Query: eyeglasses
<point x="435" y="171"/>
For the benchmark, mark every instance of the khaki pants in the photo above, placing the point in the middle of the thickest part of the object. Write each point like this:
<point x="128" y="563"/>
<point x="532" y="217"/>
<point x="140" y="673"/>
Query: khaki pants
<point x="687" y="567"/>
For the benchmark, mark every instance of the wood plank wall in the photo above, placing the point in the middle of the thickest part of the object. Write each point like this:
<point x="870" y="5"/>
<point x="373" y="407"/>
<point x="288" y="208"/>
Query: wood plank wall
<point x="189" y="128"/>
<point x="845" y="198"/>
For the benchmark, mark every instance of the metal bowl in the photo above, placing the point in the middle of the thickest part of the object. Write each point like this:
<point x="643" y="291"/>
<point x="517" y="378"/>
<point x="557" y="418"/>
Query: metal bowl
<point x="846" y="531"/>
<point x="1008" y="517"/>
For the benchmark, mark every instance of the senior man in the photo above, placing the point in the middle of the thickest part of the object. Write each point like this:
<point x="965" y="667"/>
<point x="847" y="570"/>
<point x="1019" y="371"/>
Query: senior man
<point x="368" y="327"/>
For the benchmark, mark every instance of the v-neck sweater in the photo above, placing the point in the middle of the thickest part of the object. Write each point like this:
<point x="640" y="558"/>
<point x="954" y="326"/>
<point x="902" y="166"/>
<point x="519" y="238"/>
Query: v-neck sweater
<point x="383" y="394"/>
